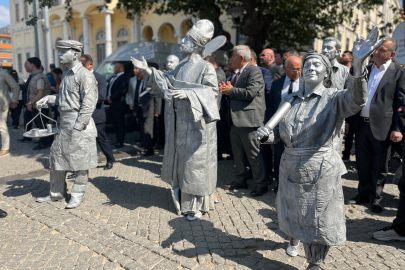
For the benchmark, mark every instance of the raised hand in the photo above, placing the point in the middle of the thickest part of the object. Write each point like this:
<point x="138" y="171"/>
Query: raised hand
<point x="142" y="65"/>
<point x="363" y="48"/>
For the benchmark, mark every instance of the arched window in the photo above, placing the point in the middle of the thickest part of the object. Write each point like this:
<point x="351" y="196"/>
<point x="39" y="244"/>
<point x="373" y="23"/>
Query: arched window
<point x="100" y="41"/>
<point x="122" y="37"/>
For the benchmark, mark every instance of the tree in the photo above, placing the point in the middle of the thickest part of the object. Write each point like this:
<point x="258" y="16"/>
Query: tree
<point x="266" y="23"/>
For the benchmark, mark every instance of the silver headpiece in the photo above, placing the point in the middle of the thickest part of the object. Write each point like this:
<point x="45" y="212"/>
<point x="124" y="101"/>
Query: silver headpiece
<point x="201" y="32"/>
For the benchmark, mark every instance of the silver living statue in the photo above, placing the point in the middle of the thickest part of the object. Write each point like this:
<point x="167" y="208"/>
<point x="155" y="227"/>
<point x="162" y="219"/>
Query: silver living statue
<point x="74" y="148"/>
<point x="190" y="90"/>
<point x="172" y="62"/>
<point x="309" y="202"/>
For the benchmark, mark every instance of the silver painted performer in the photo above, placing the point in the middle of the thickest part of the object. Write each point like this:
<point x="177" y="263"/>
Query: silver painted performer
<point x="309" y="201"/>
<point x="172" y="62"/>
<point x="331" y="48"/>
<point x="190" y="91"/>
<point x="74" y="148"/>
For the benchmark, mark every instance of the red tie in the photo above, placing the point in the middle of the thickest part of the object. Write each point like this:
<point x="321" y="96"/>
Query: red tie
<point x="236" y="78"/>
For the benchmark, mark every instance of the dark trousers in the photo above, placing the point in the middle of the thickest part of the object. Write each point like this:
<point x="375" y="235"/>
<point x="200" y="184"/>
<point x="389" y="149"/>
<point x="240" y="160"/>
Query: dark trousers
<point x="278" y="152"/>
<point x="118" y="117"/>
<point x="246" y="148"/>
<point x="223" y="133"/>
<point x="146" y="129"/>
<point x="267" y="153"/>
<point x="16" y="113"/>
<point x="104" y="143"/>
<point x="372" y="162"/>
<point x="399" y="221"/>
<point x="348" y="143"/>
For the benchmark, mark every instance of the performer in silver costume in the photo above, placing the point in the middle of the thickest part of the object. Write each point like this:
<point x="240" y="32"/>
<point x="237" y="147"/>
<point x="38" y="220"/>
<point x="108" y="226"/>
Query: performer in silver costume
<point x="331" y="48"/>
<point x="309" y="201"/>
<point x="74" y="148"/>
<point x="190" y="91"/>
<point x="172" y="62"/>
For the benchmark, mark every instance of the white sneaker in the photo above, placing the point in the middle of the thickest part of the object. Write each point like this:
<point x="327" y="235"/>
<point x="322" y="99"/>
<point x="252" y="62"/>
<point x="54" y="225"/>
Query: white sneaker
<point x="387" y="234"/>
<point x="293" y="250"/>
<point x="196" y="216"/>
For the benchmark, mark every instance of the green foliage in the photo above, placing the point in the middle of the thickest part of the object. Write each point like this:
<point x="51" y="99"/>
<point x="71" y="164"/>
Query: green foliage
<point x="273" y="23"/>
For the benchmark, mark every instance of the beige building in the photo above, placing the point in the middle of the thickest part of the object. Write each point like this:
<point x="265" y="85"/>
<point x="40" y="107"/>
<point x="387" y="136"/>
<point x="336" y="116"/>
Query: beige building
<point x="104" y="31"/>
<point x="347" y="33"/>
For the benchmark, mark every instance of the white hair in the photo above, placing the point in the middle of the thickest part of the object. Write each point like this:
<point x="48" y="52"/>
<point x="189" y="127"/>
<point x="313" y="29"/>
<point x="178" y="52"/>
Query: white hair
<point x="243" y="50"/>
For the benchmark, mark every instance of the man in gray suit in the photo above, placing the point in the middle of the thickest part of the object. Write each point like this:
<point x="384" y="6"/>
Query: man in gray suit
<point x="247" y="105"/>
<point x="267" y="60"/>
<point x="145" y="109"/>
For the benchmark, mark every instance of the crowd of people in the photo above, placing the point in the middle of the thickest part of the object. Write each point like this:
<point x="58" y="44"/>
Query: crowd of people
<point x="332" y="103"/>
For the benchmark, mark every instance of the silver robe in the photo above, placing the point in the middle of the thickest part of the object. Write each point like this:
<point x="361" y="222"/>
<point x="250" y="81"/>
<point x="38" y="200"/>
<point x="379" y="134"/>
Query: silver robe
<point x="309" y="201"/>
<point x="77" y="100"/>
<point x="190" y="154"/>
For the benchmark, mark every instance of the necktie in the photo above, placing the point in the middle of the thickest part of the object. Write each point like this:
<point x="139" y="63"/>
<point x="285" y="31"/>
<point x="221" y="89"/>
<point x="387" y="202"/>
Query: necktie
<point x="236" y="79"/>
<point x="290" y="89"/>
<point x="142" y="90"/>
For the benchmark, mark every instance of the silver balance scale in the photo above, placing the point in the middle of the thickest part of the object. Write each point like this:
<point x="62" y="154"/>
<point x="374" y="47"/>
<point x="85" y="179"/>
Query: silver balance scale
<point x="39" y="133"/>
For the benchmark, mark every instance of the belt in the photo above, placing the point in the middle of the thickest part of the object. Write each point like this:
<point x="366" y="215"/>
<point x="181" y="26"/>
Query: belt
<point x="365" y="119"/>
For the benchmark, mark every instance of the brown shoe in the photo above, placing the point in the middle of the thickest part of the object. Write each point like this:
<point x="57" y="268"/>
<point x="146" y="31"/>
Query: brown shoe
<point x="4" y="153"/>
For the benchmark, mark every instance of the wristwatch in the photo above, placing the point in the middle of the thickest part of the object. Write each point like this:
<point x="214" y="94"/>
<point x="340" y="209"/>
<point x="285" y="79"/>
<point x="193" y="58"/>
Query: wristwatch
<point x="30" y="103"/>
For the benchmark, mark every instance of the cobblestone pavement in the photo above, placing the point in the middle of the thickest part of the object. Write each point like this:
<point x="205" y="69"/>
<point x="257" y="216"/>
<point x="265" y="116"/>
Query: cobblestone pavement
<point x="128" y="222"/>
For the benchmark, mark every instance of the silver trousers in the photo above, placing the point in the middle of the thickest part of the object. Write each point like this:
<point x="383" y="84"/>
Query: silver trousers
<point x="58" y="183"/>
<point x="316" y="253"/>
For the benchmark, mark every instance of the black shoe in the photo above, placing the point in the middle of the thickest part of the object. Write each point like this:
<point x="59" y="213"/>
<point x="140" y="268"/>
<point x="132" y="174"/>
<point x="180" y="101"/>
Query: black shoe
<point x="376" y="207"/>
<point x="109" y="165"/>
<point x="25" y="139"/>
<point x="41" y="146"/>
<point x="71" y="176"/>
<point x="259" y="190"/>
<point x="358" y="200"/>
<point x="236" y="185"/>
<point x="3" y="214"/>
<point x="148" y="153"/>
<point x="119" y="145"/>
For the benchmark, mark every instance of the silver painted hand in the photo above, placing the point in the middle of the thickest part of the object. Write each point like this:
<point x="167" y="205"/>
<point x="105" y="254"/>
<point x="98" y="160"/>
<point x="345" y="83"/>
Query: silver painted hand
<point x="43" y="102"/>
<point x="262" y="132"/>
<point x="142" y="65"/>
<point x="180" y="94"/>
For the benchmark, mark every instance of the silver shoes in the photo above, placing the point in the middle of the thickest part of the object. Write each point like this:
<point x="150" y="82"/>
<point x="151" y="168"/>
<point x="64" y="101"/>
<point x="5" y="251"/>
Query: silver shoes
<point x="75" y="200"/>
<point x="49" y="199"/>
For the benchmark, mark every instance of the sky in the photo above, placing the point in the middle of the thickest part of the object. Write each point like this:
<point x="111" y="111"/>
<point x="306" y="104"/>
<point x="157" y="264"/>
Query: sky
<point x="4" y="13"/>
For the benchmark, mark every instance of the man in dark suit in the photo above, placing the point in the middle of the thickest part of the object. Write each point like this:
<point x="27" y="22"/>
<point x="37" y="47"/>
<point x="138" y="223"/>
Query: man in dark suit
<point x="280" y="88"/>
<point x="145" y="109"/>
<point x="247" y="108"/>
<point x="117" y="90"/>
<point x="267" y="61"/>
<point x="99" y="113"/>
<point x="375" y="126"/>
<point x="266" y="149"/>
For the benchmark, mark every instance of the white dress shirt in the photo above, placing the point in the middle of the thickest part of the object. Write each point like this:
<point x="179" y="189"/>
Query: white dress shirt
<point x="286" y="86"/>
<point x="111" y="83"/>
<point x="375" y="79"/>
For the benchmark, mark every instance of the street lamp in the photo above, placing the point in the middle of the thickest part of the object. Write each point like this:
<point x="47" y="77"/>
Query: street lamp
<point x="236" y="13"/>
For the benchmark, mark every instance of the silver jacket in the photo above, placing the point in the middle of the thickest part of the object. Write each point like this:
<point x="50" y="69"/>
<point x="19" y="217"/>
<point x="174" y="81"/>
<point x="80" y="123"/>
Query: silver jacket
<point x="310" y="198"/>
<point x="75" y="146"/>
<point x="190" y="155"/>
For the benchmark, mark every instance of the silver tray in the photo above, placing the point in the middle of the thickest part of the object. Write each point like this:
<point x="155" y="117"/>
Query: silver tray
<point x="42" y="133"/>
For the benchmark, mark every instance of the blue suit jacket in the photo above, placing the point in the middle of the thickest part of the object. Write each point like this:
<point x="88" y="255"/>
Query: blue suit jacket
<point x="268" y="79"/>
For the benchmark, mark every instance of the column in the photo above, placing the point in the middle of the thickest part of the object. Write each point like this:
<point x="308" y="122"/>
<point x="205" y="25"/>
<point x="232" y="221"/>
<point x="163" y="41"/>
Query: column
<point x="136" y="29"/>
<point x="108" y="31"/>
<point x="86" y="48"/>
<point x="91" y="43"/>
<point x="65" y="30"/>
<point x="47" y="38"/>
<point x="56" y="56"/>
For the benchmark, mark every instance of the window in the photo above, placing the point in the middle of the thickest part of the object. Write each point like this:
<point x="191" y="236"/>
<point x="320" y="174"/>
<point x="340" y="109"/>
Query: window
<point x="122" y="37"/>
<point x="17" y="13"/>
<point x="100" y="41"/>
<point x="26" y="10"/>
<point x="19" y="59"/>
<point x="27" y="55"/>
<point x="122" y="33"/>
<point x="347" y="44"/>
<point x="100" y="53"/>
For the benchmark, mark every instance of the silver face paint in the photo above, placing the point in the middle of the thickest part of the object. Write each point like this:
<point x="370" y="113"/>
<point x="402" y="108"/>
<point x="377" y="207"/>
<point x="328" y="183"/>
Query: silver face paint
<point x="314" y="71"/>
<point x="172" y="62"/>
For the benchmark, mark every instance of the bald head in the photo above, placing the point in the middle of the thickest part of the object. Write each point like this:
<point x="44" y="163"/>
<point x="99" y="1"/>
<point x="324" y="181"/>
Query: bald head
<point x="292" y="67"/>
<point x="266" y="57"/>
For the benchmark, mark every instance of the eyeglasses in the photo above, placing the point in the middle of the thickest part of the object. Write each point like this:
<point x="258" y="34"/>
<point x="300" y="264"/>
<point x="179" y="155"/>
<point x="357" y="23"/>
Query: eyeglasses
<point x="295" y="70"/>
